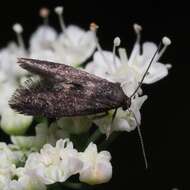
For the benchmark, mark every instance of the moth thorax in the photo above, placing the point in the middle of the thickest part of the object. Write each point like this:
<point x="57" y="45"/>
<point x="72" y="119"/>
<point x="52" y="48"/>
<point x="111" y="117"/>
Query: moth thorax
<point x="127" y="103"/>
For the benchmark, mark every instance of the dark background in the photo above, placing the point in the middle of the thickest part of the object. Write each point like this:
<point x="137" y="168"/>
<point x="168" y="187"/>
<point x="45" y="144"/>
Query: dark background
<point x="165" y="116"/>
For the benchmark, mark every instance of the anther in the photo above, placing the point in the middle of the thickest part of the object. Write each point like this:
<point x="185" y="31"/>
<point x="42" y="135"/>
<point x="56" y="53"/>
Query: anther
<point x="93" y="26"/>
<point x="166" y="41"/>
<point x="17" y="28"/>
<point x="59" y="10"/>
<point x="44" y="13"/>
<point x="117" y="41"/>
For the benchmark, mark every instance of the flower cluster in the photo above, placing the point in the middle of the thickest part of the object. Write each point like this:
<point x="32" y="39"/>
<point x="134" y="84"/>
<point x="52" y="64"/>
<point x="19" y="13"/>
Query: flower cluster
<point x="48" y="157"/>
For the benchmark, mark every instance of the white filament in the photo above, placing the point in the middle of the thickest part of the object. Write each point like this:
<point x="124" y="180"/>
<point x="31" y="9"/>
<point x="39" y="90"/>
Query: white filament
<point x="44" y="13"/>
<point x="94" y="27"/>
<point x="166" y="42"/>
<point x="137" y="28"/>
<point x="116" y="43"/>
<point x="123" y="56"/>
<point x="59" y="11"/>
<point x="18" y="29"/>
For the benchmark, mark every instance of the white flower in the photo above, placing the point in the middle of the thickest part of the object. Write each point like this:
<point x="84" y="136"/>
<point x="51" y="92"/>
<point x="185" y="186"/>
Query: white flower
<point x="130" y="71"/>
<point x="6" y="91"/>
<point x="76" y="125"/>
<point x="55" y="164"/>
<point x="44" y="135"/>
<point x="124" y="120"/>
<point x="102" y="64"/>
<point x="139" y="62"/>
<point x="8" y="66"/>
<point x="24" y="182"/>
<point x="41" y="43"/>
<point x="7" y="156"/>
<point x="6" y="173"/>
<point x="74" y="45"/>
<point x="55" y="132"/>
<point x="13" y="123"/>
<point x="97" y="168"/>
<point x="42" y="38"/>
<point x="32" y="142"/>
<point x="4" y="180"/>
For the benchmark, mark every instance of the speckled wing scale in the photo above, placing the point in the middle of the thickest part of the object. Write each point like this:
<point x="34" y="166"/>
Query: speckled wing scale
<point x="65" y="91"/>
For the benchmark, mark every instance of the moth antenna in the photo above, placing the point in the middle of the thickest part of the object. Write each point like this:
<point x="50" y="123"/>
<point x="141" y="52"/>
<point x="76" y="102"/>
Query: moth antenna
<point x="18" y="29"/>
<point x="44" y="13"/>
<point x="59" y="11"/>
<point x="140" y="83"/>
<point x="116" y="43"/>
<point x="141" y="141"/>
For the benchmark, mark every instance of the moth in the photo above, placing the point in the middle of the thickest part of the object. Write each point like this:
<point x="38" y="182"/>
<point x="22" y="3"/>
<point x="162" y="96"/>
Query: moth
<point x="65" y="91"/>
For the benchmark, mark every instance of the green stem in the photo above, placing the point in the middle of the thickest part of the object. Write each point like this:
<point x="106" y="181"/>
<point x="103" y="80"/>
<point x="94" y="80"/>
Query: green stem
<point x="95" y="136"/>
<point x="107" y="142"/>
<point x="72" y="185"/>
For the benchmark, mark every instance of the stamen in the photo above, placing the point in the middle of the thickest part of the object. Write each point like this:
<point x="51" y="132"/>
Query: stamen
<point x="59" y="11"/>
<point x="116" y="43"/>
<point x="137" y="29"/>
<point x="94" y="27"/>
<point x="166" y="42"/>
<point x="44" y="13"/>
<point x="123" y="55"/>
<point x="18" y="29"/>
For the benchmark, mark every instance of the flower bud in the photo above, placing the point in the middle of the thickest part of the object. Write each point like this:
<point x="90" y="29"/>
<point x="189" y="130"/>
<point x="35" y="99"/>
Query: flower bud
<point x="13" y="123"/>
<point x="97" y="168"/>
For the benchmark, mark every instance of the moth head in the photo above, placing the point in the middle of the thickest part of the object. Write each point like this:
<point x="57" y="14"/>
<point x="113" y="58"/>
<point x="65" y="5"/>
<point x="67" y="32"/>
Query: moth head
<point x="127" y="103"/>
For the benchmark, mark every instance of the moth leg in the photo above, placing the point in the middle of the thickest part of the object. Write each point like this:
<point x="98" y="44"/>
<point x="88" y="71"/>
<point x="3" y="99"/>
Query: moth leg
<point x="141" y="140"/>
<point x="114" y="115"/>
<point x="101" y="116"/>
<point x="109" y="129"/>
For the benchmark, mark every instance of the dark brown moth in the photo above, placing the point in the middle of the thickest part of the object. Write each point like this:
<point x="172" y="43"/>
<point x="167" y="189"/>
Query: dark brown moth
<point x="66" y="91"/>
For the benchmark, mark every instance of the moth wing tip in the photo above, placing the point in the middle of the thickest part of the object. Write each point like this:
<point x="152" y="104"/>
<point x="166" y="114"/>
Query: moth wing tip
<point x="21" y="60"/>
